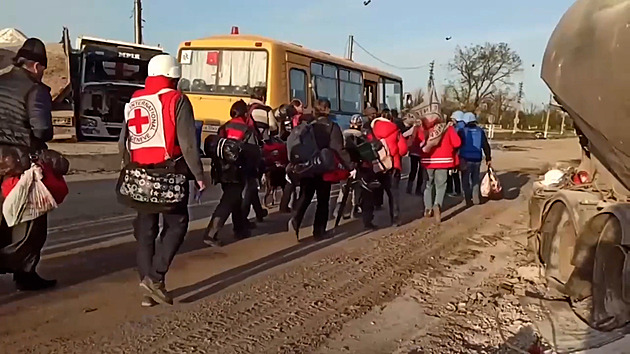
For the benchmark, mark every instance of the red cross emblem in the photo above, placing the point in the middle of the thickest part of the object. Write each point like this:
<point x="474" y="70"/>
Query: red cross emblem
<point x="138" y="120"/>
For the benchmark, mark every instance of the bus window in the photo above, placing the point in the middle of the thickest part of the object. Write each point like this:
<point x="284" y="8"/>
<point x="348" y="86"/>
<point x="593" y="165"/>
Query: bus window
<point x="350" y="87"/>
<point x="229" y="72"/>
<point x="326" y="86"/>
<point x="297" y="82"/>
<point x="392" y="94"/>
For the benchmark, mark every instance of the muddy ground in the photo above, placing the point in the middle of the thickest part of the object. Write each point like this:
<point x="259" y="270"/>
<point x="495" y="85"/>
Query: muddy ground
<point x="418" y="288"/>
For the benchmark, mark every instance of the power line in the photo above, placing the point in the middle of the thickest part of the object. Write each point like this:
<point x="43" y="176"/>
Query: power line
<point x="388" y="64"/>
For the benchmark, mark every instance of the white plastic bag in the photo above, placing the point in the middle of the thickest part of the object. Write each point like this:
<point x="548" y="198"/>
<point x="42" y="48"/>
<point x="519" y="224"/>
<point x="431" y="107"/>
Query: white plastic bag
<point x="490" y="185"/>
<point x="29" y="199"/>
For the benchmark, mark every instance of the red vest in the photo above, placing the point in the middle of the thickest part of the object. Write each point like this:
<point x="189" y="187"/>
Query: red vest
<point x="151" y="122"/>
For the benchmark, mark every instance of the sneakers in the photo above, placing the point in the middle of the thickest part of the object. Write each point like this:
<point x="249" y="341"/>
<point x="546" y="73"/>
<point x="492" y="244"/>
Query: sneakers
<point x="32" y="282"/>
<point x="148" y="301"/>
<point x="156" y="291"/>
<point x="210" y="237"/>
<point x="428" y="213"/>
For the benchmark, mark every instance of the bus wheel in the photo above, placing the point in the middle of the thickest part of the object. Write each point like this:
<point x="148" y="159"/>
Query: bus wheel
<point x="610" y="311"/>
<point x="558" y="239"/>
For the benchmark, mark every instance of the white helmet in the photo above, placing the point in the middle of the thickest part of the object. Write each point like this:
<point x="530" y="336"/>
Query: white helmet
<point x="165" y="65"/>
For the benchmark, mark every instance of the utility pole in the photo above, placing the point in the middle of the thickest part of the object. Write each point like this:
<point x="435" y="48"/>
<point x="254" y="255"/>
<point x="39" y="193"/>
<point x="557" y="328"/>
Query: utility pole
<point x="518" y="107"/>
<point x="351" y="47"/>
<point x="547" y="119"/>
<point x="137" y="14"/>
<point x="564" y="115"/>
<point x="431" y="72"/>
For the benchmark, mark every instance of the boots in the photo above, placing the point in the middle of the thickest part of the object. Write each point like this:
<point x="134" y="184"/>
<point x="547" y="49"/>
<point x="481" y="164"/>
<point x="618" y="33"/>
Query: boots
<point x="32" y="282"/>
<point x="210" y="237"/>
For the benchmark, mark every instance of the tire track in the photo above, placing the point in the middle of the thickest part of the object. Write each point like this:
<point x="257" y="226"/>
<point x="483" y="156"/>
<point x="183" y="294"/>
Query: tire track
<point x="293" y="308"/>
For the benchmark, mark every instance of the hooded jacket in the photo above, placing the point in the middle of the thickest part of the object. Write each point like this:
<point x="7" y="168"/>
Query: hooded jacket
<point x="444" y="155"/>
<point x="384" y="129"/>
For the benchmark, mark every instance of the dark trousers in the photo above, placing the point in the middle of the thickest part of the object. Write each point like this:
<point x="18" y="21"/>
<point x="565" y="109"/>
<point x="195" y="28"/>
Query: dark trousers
<point x="231" y="203"/>
<point x="287" y="193"/>
<point x="251" y="198"/>
<point x="453" y="182"/>
<point x="308" y="188"/>
<point x="390" y="183"/>
<point x="21" y="245"/>
<point x="155" y="254"/>
<point x="415" y="171"/>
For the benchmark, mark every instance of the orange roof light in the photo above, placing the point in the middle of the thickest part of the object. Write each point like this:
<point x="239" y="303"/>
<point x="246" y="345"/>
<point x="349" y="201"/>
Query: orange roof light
<point x="187" y="44"/>
<point x="258" y="44"/>
<point x="234" y="30"/>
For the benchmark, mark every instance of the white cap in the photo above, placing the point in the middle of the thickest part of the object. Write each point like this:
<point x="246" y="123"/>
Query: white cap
<point x="165" y="65"/>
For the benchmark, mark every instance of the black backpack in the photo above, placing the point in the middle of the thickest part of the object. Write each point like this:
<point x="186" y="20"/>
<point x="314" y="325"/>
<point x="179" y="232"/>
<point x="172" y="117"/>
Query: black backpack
<point x="301" y="144"/>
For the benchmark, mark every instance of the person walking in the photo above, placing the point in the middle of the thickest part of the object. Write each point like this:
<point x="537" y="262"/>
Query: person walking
<point x="159" y="131"/>
<point x="266" y="125"/>
<point x="474" y="147"/>
<point x="415" y="150"/>
<point x="383" y="129"/>
<point x="439" y="146"/>
<point x="235" y="154"/>
<point x="293" y="120"/>
<point x="327" y="135"/>
<point x="25" y="127"/>
<point x="453" y="183"/>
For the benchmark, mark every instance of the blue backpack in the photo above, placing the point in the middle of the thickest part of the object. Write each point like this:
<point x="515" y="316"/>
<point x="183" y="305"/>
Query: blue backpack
<point x="472" y="143"/>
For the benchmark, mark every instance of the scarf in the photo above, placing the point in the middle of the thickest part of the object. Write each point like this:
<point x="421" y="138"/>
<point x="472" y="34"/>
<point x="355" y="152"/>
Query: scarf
<point x="434" y="136"/>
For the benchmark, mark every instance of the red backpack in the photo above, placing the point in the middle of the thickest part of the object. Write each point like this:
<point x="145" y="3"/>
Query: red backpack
<point x="275" y="153"/>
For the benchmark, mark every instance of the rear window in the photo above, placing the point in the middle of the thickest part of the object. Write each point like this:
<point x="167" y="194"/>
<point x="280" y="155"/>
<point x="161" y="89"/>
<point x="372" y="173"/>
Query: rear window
<point x="228" y="72"/>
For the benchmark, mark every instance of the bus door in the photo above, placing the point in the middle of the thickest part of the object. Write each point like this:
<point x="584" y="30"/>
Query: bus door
<point x="299" y="83"/>
<point x="369" y="95"/>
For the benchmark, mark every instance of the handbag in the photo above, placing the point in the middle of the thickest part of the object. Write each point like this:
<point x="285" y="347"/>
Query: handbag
<point x="153" y="188"/>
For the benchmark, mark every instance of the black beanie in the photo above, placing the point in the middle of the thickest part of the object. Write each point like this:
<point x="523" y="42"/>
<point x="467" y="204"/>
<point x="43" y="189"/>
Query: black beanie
<point x="35" y="50"/>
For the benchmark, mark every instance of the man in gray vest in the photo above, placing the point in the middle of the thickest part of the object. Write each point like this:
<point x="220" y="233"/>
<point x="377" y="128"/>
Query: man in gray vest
<point x="25" y="126"/>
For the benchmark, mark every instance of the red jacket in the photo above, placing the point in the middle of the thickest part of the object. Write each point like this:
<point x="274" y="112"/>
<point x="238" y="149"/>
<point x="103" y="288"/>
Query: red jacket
<point x="141" y="124"/>
<point x="444" y="155"/>
<point x="415" y="141"/>
<point x="387" y="130"/>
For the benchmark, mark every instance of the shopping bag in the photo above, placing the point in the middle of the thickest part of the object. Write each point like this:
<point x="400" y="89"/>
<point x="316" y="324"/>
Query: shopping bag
<point x="29" y="199"/>
<point x="490" y="185"/>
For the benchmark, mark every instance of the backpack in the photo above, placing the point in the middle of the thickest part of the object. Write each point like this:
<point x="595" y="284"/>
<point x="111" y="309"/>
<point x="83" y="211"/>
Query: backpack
<point x="301" y="144"/>
<point x="275" y="153"/>
<point x="377" y="152"/>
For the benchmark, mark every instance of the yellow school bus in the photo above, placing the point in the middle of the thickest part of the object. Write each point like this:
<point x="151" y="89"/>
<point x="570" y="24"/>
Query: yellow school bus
<point x="219" y="70"/>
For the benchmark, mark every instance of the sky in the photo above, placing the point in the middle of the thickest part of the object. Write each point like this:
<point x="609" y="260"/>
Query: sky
<point x="405" y="33"/>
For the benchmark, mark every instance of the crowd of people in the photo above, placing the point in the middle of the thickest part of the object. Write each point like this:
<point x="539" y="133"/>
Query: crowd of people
<point x="302" y="154"/>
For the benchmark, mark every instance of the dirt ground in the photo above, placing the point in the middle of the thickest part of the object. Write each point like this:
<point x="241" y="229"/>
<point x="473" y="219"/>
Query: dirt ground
<point x="418" y="288"/>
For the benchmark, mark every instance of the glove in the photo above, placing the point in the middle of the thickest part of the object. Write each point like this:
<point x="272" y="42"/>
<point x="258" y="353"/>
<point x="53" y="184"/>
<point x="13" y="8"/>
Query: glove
<point x="353" y="174"/>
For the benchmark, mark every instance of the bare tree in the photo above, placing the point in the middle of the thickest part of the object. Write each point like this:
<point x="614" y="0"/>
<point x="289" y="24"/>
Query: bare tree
<point x="482" y="69"/>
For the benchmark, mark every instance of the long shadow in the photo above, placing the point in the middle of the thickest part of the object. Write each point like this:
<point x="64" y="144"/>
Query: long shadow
<point x="74" y="269"/>
<point x="221" y="281"/>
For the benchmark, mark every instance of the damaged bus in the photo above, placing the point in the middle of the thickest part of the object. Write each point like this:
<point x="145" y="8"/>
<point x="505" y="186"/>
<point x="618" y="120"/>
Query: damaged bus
<point x="103" y="75"/>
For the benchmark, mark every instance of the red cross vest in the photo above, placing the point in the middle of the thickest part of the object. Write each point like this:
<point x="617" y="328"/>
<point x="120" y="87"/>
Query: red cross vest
<point x="151" y="126"/>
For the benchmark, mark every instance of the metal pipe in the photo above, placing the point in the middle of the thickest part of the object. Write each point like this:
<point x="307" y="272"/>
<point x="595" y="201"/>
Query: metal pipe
<point x="137" y="13"/>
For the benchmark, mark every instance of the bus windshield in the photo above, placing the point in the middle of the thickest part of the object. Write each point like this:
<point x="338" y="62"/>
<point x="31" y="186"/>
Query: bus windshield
<point x="223" y="72"/>
<point x="100" y="68"/>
